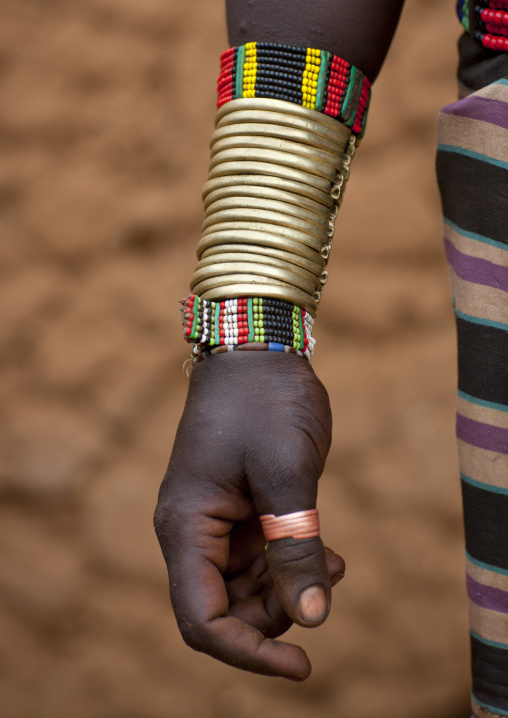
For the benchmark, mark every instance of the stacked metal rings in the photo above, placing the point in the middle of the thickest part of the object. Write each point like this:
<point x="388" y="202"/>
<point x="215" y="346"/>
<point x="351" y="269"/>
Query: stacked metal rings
<point x="274" y="185"/>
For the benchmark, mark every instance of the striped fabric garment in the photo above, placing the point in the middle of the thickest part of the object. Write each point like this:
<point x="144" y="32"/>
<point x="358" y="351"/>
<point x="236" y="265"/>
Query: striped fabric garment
<point x="472" y="167"/>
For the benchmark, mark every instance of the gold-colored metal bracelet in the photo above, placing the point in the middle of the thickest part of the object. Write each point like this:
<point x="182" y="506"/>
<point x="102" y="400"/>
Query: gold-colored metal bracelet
<point x="241" y="278"/>
<point x="276" y="179"/>
<point x="223" y="270"/>
<point x="314" y="266"/>
<point x="285" y="159"/>
<point x="283" y="132"/>
<point x="266" y="204"/>
<point x="274" y="218"/>
<point x="313" y="154"/>
<point x="276" y="230"/>
<point x="269" y="193"/>
<point x="299" y="189"/>
<point x="287" y="109"/>
<point x="228" y="257"/>
<point x="261" y="238"/>
<point x="215" y="289"/>
<point x="280" y="119"/>
<point x="240" y="289"/>
<point x="270" y="169"/>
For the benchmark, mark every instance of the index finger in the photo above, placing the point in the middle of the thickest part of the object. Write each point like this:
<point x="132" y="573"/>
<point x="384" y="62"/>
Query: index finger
<point x="198" y="551"/>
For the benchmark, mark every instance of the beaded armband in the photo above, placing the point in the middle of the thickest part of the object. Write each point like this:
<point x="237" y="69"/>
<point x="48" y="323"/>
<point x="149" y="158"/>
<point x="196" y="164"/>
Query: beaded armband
<point x="246" y="321"/>
<point x="487" y="21"/>
<point x="312" y="78"/>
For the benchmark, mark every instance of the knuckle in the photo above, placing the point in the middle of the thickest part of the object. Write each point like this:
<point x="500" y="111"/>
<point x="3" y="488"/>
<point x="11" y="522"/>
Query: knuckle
<point x="167" y="523"/>
<point x="194" y="636"/>
<point x="169" y="512"/>
<point x="297" y="555"/>
<point x="160" y="519"/>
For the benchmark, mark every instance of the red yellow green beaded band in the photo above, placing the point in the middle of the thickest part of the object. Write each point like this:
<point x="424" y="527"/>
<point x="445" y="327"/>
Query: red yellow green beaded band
<point x="246" y="320"/>
<point x="306" y="76"/>
<point x="487" y="21"/>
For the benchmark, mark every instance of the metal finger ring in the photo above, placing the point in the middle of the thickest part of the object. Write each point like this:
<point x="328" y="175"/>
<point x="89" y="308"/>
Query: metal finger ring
<point x="298" y="525"/>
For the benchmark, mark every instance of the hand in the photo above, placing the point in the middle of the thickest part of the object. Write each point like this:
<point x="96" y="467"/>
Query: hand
<point x="252" y="440"/>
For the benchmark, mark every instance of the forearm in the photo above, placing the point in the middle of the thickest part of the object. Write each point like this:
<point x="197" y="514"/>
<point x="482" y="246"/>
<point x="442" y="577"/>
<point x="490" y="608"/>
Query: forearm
<point x="256" y="430"/>
<point x="359" y="31"/>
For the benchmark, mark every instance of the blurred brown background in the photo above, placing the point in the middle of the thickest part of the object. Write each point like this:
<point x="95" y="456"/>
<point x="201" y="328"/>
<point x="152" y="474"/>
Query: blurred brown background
<point x="105" y="114"/>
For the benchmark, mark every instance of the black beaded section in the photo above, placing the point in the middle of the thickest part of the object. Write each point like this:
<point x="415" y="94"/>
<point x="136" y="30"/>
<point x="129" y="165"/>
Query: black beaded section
<point x="279" y="72"/>
<point x="278" y="321"/>
<point x="281" y="50"/>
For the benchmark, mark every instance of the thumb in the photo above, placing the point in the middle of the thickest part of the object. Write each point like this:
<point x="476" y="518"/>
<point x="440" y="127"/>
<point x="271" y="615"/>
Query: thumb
<point x="283" y="473"/>
<point x="297" y="565"/>
<point x="301" y="577"/>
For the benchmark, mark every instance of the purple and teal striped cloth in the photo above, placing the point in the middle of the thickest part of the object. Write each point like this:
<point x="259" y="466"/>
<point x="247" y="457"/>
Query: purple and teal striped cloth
<point x="472" y="167"/>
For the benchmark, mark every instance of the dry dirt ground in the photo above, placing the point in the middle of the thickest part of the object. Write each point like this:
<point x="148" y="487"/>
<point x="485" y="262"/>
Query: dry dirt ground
<point x="105" y="114"/>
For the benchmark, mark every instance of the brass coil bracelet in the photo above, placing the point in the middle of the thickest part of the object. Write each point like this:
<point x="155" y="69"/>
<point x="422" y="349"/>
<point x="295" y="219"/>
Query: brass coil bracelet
<point x="276" y="179"/>
<point x="274" y="230"/>
<point x="263" y="239"/>
<point x="271" y="193"/>
<point x="281" y="132"/>
<point x="259" y="180"/>
<point x="268" y="204"/>
<point x="238" y="258"/>
<point x="314" y="265"/>
<point x="273" y="170"/>
<point x="321" y="123"/>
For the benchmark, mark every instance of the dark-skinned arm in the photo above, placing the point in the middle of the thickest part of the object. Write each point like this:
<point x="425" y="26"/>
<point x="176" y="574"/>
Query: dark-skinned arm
<point x="256" y="431"/>
<point x="360" y="31"/>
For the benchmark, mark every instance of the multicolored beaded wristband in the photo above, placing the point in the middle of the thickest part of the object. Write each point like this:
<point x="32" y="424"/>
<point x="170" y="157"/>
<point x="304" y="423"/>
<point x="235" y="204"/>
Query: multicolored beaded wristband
<point x="306" y="76"/>
<point x="487" y="21"/>
<point x="246" y="320"/>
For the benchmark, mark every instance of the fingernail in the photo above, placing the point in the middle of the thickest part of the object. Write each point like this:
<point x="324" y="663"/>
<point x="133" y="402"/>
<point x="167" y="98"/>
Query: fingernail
<point x="337" y="577"/>
<point x="312" y="604"/>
